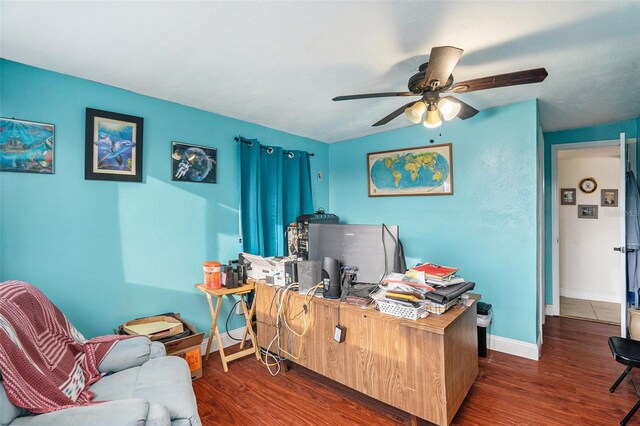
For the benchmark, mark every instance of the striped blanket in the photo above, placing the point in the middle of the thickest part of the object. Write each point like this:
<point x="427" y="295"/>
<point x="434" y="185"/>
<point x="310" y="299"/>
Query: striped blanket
<point x="46" y="364"/>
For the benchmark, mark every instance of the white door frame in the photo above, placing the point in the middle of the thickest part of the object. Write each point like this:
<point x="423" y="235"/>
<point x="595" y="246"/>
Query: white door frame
<point x="622" y="202"/>
<point x="540" y="252"/>
<point x="554" y="309"/>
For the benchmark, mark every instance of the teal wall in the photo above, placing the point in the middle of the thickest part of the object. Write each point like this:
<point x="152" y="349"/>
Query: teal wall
<point x="487" y="228"/>
<point x="107" y="252"/>
<point x="601" y="132"/>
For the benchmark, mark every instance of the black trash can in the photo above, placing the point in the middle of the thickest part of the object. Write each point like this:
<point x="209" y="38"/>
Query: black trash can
<point x="484" y="319"/>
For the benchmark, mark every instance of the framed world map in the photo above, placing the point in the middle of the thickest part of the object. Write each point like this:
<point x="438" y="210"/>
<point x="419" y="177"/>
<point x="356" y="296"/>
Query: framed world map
<point x="425" y="170"/>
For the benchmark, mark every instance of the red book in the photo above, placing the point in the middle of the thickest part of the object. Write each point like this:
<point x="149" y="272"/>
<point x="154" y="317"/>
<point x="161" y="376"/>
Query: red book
<point x="431" y="270"/>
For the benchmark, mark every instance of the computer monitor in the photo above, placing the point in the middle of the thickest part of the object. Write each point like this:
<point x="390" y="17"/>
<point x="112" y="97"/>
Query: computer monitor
<point x="374" y="249"/>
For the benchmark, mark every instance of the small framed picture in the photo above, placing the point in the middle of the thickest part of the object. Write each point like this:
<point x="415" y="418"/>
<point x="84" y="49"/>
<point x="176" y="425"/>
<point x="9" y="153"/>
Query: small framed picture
<point x="113" y="146"/>
<point x="193" y="163"/>
<point x="26" y="146"/>
<point x="568" y="196"/>
<point x="609" y="198"/>
<point x="588" y="211"/>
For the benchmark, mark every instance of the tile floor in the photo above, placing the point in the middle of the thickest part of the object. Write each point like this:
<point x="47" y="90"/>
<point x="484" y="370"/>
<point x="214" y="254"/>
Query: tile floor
<point x="590" y="309"/>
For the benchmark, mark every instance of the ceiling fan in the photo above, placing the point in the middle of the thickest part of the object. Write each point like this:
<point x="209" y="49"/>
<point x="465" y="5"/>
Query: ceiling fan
<point x="434" y="79"/>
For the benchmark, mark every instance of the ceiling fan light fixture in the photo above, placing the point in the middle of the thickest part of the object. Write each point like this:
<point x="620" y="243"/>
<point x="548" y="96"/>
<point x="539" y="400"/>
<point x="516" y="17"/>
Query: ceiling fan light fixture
<point x="414" y="112"/>
<point x="448" y="108"/>
<point x="432" y="119"/>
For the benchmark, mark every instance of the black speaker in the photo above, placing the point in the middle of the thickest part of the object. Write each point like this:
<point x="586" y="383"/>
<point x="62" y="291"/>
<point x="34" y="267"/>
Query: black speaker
<point x="309" y="275"/>
<point x="331" y="278"/>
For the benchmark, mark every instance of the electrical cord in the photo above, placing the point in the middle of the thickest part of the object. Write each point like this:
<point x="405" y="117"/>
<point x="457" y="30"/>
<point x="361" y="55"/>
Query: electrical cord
<point x="272" y="355"/>
<point x="396" y="248"/>
<point x="307" y="307"/>
<point x="384" y="249"/>
<point x="268" y="354"/>
<point x="226" y="323"/>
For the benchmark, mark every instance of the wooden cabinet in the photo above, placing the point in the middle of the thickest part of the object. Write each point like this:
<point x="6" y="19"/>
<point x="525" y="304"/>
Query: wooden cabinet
<point x="424" y="367"/>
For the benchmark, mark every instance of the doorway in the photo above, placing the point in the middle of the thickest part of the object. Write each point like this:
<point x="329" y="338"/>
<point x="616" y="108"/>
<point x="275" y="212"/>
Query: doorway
<point x="588" y="222"/>
<point x="588" y="230"/>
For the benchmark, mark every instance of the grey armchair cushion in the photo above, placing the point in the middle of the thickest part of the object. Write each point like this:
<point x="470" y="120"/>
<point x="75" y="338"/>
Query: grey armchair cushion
<point x="129" y="353"/>
<point x="123" y="412"/>
<point x="146" y="388"/>
<point x="158" y="415"/>
<point x="8" y="411"/>
<point x="149" y="382"/>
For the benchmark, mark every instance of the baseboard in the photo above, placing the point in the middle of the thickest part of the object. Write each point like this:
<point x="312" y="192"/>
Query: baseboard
<point x="552" y="310"/>
<point x="226" y="340"/>
<point x="589" y="295"/>
<point x="513" y="347"/>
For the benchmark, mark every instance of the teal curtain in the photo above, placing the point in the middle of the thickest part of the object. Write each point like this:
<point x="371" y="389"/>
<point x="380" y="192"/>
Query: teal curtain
<point x="297" y="183"/>
<point x="275" y="188"/>
<point x="271" y="184"/>
<point x="249" y="189"/>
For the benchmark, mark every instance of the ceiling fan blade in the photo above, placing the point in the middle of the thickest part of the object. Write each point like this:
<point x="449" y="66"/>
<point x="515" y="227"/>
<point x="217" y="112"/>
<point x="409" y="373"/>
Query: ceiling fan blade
<point x="393" y="115"/>
<point x="442" y="61"/>
<point x="466" y="110"/>
<point x="511" y="79"/>
<point x="374" y="95"/>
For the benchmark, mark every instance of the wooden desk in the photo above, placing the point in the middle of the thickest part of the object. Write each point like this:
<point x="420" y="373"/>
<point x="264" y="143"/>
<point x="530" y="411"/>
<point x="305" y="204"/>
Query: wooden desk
<point x="423" y="367"/>
<point x="248" y="314"/>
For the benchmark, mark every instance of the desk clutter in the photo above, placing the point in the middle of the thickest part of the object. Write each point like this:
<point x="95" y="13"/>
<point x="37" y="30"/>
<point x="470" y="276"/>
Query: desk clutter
<point x="345" y="297"/>
<point x="423" y="289"/>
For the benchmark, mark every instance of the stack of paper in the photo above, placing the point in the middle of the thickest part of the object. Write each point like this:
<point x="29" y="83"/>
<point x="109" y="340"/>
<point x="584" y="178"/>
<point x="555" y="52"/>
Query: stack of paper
<point x="450" y="280"/>
<point x="433" y="271"/>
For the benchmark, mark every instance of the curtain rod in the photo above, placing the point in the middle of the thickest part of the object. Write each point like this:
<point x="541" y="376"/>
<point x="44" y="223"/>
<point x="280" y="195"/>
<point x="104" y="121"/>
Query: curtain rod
<point x="268" y="148"/>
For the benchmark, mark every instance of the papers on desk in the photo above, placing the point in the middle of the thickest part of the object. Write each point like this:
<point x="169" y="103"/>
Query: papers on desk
<point x="438" y="275"/>
<point x="437" y="272"/>
<point x="451" y="279"/>
<point x="266" y="268"/>
<point x="411" y="289"/>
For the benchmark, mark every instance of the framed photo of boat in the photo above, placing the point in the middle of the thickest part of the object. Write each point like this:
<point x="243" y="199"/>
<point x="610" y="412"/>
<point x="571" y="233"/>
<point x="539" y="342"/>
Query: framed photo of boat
<point x="26" y="146"/>
<point x="113" y="146"/>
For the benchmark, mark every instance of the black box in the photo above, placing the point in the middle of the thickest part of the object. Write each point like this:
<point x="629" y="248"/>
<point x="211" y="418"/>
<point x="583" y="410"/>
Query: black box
<point x="290" y="272"/>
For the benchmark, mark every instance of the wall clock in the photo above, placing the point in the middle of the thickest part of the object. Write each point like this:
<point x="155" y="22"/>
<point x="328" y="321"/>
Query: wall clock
<point x="588" y="185"/>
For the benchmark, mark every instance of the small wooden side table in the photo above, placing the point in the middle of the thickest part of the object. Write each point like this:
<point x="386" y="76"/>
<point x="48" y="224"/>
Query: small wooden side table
<point x="248" y="314"/>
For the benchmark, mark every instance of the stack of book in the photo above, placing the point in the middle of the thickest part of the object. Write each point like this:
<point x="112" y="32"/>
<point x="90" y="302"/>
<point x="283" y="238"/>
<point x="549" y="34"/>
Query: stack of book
<point x="439" y="275"/>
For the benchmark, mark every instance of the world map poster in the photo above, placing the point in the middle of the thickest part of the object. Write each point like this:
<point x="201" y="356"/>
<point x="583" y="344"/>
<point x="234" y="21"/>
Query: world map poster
<point x="426" y="170"/>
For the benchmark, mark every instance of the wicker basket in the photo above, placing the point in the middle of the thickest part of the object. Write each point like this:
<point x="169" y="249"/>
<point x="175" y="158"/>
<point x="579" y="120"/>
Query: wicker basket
<point x="402" y="311"/>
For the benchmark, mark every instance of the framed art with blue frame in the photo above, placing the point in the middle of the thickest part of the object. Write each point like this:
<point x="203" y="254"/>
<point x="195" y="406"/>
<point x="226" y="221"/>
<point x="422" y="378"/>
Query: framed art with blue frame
<point x="26" y="146"/>
<point x="113" y="146"/>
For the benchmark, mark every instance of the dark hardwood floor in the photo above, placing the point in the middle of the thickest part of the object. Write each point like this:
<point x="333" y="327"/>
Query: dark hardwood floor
<point x="568" y="386"/>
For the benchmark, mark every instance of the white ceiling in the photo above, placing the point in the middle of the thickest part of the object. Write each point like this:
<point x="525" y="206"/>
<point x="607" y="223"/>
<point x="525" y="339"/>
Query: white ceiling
<point x="279" y="63"/>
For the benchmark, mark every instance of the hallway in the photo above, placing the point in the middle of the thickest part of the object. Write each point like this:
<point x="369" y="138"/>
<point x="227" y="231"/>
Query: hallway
<point x="590" y="309"/>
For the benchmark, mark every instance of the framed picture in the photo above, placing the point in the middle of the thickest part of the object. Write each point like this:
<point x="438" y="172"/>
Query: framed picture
<point x="425" y="170"/>
<point x="568" y="196"/>
<point x="113" y="146"/>
<point x="26" y="146"/>
<point x="609" y="197"/>
<point x="193" y="163"/>
<point x="588" y="211"/>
